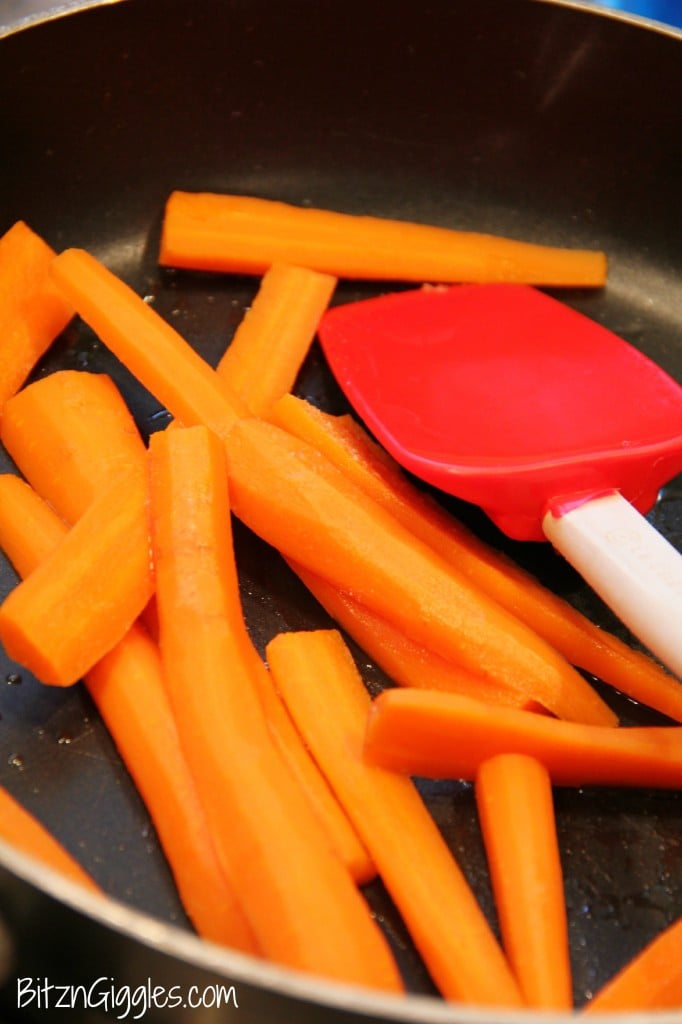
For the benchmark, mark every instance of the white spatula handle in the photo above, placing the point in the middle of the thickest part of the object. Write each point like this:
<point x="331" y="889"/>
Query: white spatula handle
<point x="635" y="570"/>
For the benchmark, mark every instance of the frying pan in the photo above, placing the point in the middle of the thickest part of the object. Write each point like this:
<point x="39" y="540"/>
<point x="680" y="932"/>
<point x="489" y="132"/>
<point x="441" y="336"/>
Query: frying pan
<point x="546" y="121"/>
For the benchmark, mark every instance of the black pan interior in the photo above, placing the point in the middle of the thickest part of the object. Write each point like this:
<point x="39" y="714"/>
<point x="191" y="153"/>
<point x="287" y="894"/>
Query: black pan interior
<point x="531" y="119"/>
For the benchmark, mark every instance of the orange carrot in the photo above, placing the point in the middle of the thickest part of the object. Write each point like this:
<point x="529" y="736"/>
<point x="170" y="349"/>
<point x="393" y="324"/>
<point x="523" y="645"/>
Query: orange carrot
<point x="323" y="689"/>
<point x="336" y="823"/>
<point x="516" y="812"/>
<point x="269" y="345"/>
<point x="144" y="342"/>
<point x="300" y="900"/>
<point x="86" y="434"/>
<point x="32" y="311"/>
<point x="128" y="689"/>
<point x="405" y="662"/>
<point x="26" y="833"/>
<point x="444" y="735"/>
<point x="652" y="980"/>
<point x="244" y="234"/>
<point x="348" y="445"/>
<point x="294" y="498"/>
<point x="84" y="597"/>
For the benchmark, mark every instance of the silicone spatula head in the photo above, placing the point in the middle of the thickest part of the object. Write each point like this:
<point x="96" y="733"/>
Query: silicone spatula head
<point x="507" y="398"/>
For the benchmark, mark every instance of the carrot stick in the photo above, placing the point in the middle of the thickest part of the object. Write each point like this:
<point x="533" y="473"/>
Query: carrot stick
<point x="90" y="286"/>
<point x="23" y="831"/>
<point x="336" y="823"/>
<point x="128" y="688"/>
<point x="405" y="662"/>
<point x="269" y="345"/>
<point x="144" y="342"/>
<point x="244" y="234"/>
<point x="300" y="900"/>
<point x="443" y="735"/>
<point x="516" y="813"/>
<point x="295" y="499"/>
<point x="84" y="597"/>
<point x="323" y="689"/>
<point x="348" y="445"/>
<point x="652" y="980"/>
<point x="86" y="433"/>
<point x="32" y="311"/>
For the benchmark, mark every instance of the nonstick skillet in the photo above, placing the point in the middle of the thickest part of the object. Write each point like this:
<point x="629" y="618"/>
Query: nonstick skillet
<point x="539" y="120"/>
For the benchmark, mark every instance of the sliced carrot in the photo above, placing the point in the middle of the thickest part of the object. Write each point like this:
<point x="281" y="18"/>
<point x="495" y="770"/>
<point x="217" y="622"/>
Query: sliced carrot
<point x="84" y="597"/>
<point x="348" y="445"/>
<point x="404" y="661"/>
<point x="516" y="812"/>
<point x="300" y="900"/>
<point x="26" y="833"/>
<point x="444" y="735"/>
<point x="295" y="499"/>
<point x="128" y="688"/>
<point x="265" y="355"/>
<point x="652" y="980"/>
<point x="336" y="823"/>
<point x="144" y="342"/>
<point x="244" y="234"/>
<point x="86" y="433"/>
<point x="323" y="689"/>
<point x="32" y="311"/>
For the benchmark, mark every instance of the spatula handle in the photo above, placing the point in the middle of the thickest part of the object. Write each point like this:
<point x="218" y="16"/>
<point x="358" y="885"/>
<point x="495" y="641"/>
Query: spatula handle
<point x="634" y="569"/>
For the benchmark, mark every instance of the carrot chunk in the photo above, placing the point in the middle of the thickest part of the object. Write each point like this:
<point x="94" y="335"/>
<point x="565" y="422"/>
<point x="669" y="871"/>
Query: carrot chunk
<point x="516" y="812"/>
<point x="86" y="432"/>
<point x="245" y="234"/>
<point x="82" y="599"/>
<point x="444" y="735"/>
<point x="32" y="310"/>
<point x="26" y="833"/>
<point x="265" y="355"/>
<point x="293" y="497"/>
<point x="315" y="673"/>
<point x="128" y="689"/>
<point x="346" y="443"/>
<point x="652" y="980"/>
<point x="303" y="905"/>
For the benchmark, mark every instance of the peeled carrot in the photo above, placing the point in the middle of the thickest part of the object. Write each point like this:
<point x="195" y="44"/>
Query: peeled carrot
<point x="244" y="234"/>
<point x="315" y="673"/>
<point x="444" y="735"/>
<point x="150" y="348"/>
<point x="84" y="597"/>
<point x="652" y="980"/>
<point x="86" y="433"/>
<point x="314" y="528"/>
<point x="305" y="770"/>
<point x="405" y="662"/>
<point x="128" y="688"/>
<point x="516" y="813"/>
<point x="32" y="311"/>
<point x="348" y="445"/>
<point x="26" y="833"/>
<point x="300" y="900"/>
<point x="265" y="355"/>
<point x="295" y="499"/>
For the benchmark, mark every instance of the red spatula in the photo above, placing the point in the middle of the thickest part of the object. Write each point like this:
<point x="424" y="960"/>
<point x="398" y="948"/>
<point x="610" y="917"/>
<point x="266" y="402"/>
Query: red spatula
<point x="556" y="427"/>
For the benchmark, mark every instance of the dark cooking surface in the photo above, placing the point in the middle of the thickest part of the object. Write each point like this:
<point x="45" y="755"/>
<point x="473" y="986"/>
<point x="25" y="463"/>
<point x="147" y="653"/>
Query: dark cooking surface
<point x="519" y="131"/>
